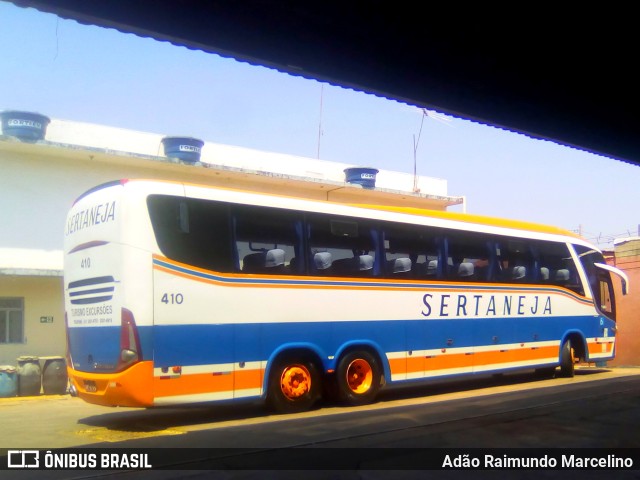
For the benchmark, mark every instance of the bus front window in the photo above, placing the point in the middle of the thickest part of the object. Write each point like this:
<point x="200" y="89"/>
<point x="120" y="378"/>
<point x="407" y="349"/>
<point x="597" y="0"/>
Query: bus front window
<point x="606" y="295"/>
<point x="599" y="280"/>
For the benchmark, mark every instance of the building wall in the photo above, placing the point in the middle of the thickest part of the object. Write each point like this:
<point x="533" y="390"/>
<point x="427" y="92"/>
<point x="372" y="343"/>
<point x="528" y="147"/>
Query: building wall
<point x="37" y="191"/>
<point x="42" y="298"/>
<point x="627" y="257"/>
<point x="39" y="183"/>
<point x="118" y="139"/>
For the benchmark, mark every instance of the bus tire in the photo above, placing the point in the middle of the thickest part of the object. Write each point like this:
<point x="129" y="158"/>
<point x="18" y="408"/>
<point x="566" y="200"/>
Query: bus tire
<point x="567" y="360"/>
<point x="294" y="385"/>
<point x="358" y="378"/>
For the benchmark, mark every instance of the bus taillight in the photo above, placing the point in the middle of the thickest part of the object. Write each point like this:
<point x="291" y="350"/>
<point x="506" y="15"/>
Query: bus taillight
<point x="130" y="351"/>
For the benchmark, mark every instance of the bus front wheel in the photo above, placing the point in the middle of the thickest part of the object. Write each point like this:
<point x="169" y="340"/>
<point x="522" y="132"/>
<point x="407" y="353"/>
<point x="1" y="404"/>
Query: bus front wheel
<point x="294" y="386"/>
<point x="358" y="378"/>
<point x="567" y="360"/>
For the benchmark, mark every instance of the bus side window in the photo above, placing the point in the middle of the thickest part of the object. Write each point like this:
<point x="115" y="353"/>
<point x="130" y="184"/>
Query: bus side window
<point x="515" y="260"/>
<point x="410" y="252"/>
<point x="267" y="240"/>
<point x="556" y="266"/>
<point x="468" y="257"/>
<point x="342" y="247"/>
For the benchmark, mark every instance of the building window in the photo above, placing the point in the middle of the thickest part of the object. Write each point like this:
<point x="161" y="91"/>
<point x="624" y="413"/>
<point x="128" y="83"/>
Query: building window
<point x="11" y="320"/>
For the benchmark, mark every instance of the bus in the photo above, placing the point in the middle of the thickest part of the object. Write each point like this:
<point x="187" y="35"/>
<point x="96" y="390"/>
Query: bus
<point x="187" y="294"/>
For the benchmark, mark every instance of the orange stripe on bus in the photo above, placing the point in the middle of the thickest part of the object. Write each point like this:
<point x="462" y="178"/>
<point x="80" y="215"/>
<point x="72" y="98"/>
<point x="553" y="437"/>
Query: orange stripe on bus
<point x="247" y="379"/>
<point x="600" y="347"/>
<point x="444" y="361"/>
<point x="516" y="354"/>
<point x="214" y="382"/>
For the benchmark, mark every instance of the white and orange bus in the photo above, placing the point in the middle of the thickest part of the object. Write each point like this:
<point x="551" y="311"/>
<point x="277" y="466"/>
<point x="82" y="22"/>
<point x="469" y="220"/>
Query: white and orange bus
<point x="178" y="293"/>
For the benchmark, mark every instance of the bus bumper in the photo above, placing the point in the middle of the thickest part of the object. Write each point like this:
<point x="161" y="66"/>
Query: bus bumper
<point x="130" y="388"/>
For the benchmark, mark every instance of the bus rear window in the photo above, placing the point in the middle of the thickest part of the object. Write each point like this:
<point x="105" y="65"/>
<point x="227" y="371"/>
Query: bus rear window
<point x="192" y="231"/>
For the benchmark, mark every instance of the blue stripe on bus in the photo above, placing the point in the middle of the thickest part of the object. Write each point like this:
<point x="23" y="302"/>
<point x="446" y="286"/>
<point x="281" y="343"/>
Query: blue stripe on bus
<point x="210" y="344"/>
<point x="185" y="345"/>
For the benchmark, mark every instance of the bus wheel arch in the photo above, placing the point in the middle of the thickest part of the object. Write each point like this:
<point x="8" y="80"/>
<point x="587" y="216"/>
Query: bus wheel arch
<point x="294" y="382"/>
<point x="358" y="375"/>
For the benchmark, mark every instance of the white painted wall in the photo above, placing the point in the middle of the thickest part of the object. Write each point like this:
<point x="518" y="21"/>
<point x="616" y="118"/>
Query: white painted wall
<point x="38" y="184"/>
<point x="118" y="139"/>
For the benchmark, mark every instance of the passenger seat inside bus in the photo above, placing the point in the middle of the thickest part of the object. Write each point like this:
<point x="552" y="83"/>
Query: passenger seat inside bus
<point x="322" y="262"/>
<point x="519" y="273"/>
<point x="466" y="270"/>
<point x="365" y="264"/>
<point x="268" y="262"/>
<point x="562" y="276"/>
<point x="357" y="266"/>
<point x="544" y="274"/>
<point x="399" y="267"/>
<point x="426" y="269"/>
<point x="432" y="268"/>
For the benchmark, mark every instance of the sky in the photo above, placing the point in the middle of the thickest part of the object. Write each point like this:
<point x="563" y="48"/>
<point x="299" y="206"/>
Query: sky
<point x="82" y="73"/>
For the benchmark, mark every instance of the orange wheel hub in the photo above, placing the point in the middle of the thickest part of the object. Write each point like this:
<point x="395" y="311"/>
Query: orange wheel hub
<point x="295" y="381"/>
<point x="359" y="376"/>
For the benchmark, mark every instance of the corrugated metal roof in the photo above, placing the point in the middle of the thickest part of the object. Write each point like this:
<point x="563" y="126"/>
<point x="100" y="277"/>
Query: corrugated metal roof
<point x="539" y="73"/>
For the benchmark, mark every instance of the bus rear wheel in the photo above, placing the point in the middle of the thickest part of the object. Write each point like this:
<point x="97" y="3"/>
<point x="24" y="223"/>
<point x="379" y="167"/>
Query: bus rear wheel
<point x="294" y="386"/>
<point x="567" y="360"/>
<point x="358" y="378"/>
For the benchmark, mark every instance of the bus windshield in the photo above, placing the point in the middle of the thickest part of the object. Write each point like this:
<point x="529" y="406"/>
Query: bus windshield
<point x="599" y="280"/>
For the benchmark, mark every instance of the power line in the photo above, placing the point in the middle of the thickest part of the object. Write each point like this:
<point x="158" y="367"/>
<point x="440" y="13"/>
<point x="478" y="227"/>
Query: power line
<point x="605" y="239"/>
